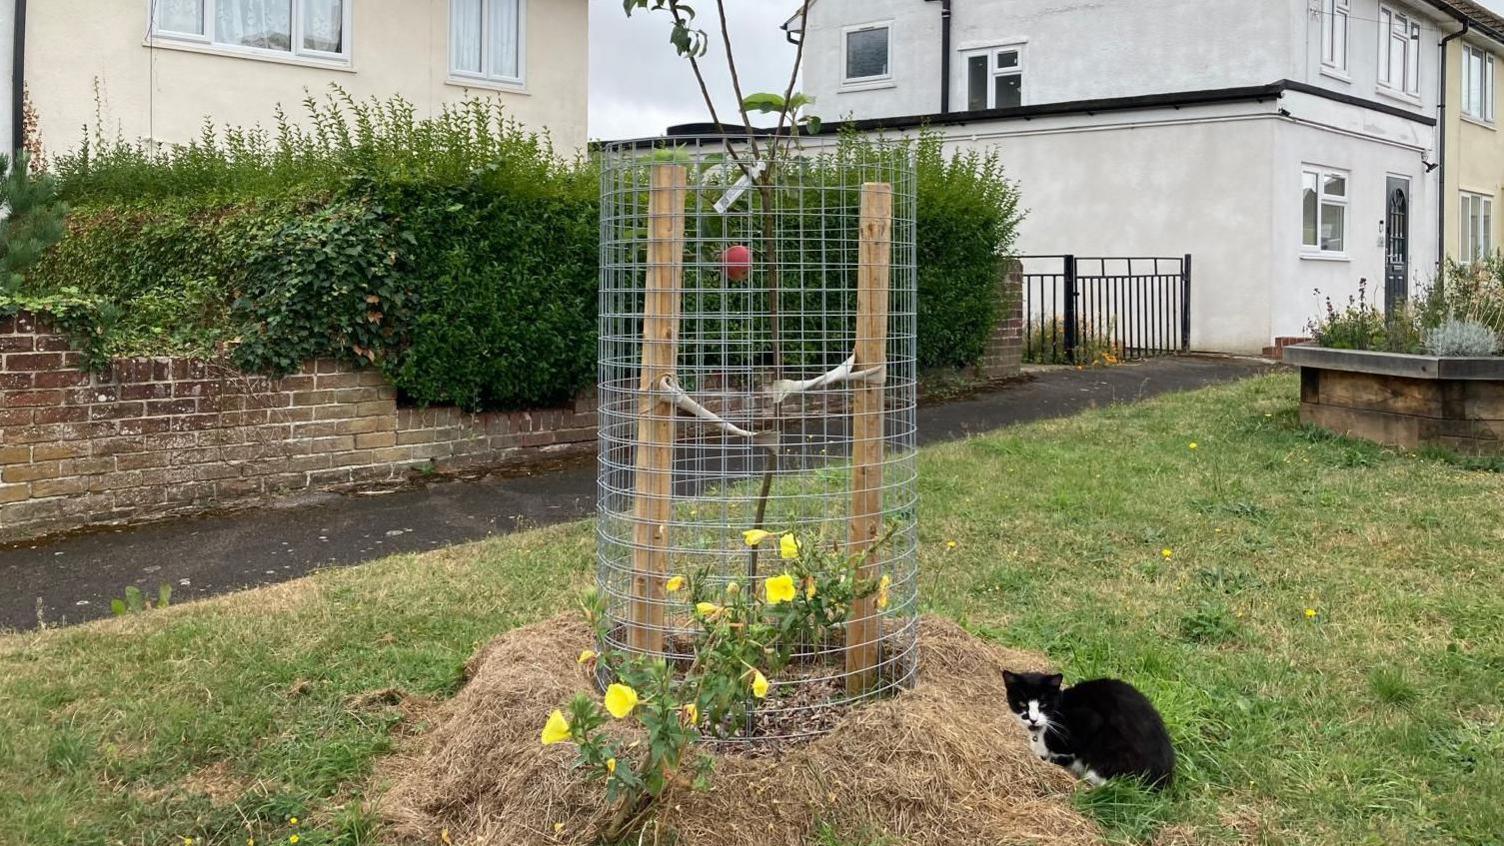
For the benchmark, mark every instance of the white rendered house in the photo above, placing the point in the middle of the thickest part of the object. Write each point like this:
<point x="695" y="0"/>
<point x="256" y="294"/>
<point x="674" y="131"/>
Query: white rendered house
<point x="1290" y="146"/>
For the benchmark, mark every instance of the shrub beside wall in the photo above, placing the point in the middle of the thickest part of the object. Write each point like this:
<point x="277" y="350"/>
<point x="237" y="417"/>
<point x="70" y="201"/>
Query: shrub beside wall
<point x="457" y="254"/>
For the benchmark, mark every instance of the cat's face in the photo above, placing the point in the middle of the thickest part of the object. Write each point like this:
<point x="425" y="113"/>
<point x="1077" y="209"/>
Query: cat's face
<point x="1033" y="698"/>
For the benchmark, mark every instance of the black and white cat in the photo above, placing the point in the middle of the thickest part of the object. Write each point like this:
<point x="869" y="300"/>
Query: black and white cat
<point x="1097" y="729"/>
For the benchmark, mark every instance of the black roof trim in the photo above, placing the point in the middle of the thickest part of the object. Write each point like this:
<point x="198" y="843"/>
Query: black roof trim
<point x="1175" y="99"/>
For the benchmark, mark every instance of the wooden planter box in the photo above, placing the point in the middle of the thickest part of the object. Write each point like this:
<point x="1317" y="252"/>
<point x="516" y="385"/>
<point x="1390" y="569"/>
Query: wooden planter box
<point x="1407" y="401"/>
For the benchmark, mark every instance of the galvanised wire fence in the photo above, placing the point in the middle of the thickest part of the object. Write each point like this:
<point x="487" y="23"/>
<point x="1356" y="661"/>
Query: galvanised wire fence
<point x="1085" y="310"/>
<point x="757" y="371"/>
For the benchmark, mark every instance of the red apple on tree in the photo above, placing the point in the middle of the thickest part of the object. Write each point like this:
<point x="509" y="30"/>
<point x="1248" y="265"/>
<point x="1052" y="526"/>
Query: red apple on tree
<point x="737" y="261"/>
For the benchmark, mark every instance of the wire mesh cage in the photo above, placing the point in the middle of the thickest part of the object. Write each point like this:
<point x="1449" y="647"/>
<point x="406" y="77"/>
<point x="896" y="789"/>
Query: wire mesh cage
<point x="757" y="372"/>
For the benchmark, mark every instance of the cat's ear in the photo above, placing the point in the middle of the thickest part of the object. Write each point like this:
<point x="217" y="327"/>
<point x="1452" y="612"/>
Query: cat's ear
<point x="1054" y="681"/>
<point x="1009" y="677"/>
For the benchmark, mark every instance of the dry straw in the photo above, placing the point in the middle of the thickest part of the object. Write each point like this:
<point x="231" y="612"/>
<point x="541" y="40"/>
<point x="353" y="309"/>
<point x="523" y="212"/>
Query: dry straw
<point x="942" y="764"/>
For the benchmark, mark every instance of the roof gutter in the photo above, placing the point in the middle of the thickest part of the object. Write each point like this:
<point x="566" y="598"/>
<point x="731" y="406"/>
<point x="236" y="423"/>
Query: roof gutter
<point x="18" y="80"/>
<point x="945" y="42"/>
<point x="1441" y="152"/>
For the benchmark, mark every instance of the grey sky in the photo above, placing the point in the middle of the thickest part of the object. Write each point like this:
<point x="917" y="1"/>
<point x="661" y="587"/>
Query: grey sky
<point x="639" y="85"/>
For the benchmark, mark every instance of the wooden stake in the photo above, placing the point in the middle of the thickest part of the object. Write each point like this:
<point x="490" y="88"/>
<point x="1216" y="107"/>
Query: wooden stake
<point x="875" y="254"/>
<point x="654" y="478"/>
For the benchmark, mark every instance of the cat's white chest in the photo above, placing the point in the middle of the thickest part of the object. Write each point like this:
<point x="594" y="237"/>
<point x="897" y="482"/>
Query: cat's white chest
<point x="1037" y="745"/>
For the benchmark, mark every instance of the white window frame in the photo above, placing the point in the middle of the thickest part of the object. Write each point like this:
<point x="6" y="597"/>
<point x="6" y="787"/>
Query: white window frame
<point x="1335" y="34"/>
<point x="1399" y="29"/>
<point x="859" y="81"/>
<point x="1481" y="111"/>
<point x="485" y="78"/>
<point x="205" y="41"/>
<point x="1475" y="226"/>
<point x="993" y="71"/>
<point x="1323" y="200"/>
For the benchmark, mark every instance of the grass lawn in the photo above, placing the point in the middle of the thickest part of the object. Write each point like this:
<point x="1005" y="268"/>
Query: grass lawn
<point x="1320" y="621"/>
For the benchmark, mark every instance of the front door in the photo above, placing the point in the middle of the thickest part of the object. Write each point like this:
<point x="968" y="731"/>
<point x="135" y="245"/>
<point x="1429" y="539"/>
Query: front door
<point x="1397" y="244"/>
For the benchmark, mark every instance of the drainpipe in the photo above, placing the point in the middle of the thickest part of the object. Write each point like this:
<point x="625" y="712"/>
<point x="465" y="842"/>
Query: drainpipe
<point x="1441" y="156"/>
<point x="944" y="56"/>
<point x="18" y="80"/>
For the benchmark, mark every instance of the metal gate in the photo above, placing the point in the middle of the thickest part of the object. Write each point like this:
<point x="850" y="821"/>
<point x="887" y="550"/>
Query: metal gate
<point x="1084" y="310"/>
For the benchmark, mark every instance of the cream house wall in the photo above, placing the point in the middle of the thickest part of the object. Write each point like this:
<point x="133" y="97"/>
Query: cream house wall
<point x="1475" y="150"/>
<point x="161" y="89"/>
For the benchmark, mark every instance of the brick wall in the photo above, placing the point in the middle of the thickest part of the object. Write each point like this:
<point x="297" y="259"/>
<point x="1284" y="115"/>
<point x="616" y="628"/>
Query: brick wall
<point x="156" y="437"/>
<point x="1004" y="355"/>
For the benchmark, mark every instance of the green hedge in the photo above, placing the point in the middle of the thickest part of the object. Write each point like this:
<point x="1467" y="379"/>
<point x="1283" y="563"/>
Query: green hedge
<point x="457" y="253"/>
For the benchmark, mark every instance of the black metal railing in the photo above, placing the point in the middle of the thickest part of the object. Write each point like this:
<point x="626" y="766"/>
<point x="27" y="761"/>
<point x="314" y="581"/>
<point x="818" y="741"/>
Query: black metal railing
<point x="1084" y="310"/>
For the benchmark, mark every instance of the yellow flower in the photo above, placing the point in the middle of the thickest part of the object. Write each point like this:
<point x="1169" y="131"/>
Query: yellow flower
<point x="1195" y="445"/>
<point x="620" y="700"/>
<point x="675" y="584"/>
<point x="187" y="841"/>
<point x="611" y="766"/>
<point x="1167" y="552"/>
<point x="882" y="591"/>
<point x="809" y="587"/>
<point x="292" y="820"/>
<point x="294" y="839"/>
<point x="707" y="609"/>
<point x="951" y="544"/>
<point x="780" y="589"/>
<point x="753" y="537"/>
<point x="759" y="684"/>
<point x="1310" y="613"/>
<point x="586" y="656"/>
<point x="788" y="547"/>
<point x="692" y="713"/>
<point x="556" y="730"/>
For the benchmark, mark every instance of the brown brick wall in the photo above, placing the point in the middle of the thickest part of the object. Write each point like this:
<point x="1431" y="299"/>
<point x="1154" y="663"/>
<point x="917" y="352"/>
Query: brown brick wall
<point x="157" y="437"/>
<point x="1004" y="355"/>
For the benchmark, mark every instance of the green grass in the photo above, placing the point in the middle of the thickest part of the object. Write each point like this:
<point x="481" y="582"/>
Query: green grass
<point x="1376" y="719"/>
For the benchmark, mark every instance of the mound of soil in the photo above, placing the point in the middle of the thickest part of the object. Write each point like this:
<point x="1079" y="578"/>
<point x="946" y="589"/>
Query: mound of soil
<point x="942" y="764"/>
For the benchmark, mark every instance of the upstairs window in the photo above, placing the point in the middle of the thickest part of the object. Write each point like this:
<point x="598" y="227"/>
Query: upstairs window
<point x="315" y="29"/>
<point x="995" y="79"/>
<point x="1399" y="52"/>
<point x="1477" y="227"/>
<point x="1477" y="84"/>
<point x="1334" y="20"/>
<point x="487" y="40"/>
<point x="1323" y="203"/>
<point x="869" y="53"/>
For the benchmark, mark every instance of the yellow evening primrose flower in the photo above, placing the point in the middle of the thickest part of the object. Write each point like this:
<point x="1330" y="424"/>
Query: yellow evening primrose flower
<point x="611" y="766"/>
<point x="692" y="713"/>
<point x="759" y="684"/>
<point x="292" y="820"/>
<point x="1167" y="552"/>
<point x="1195" y="445"/>
<point x="951" y="544"/>
<point x="675" y="584"/>
<point x="882" y="591"/>
<point x="586" y="656"/>
<point x="620" y="700"/>
<point x="780" y="589"/>
<point x="556" y="730"/>
<point x="1310" y="613"/>
<point x="707" y="609"/>
<point x="788" y="547"/>
<point x="294" y="839"/>
<point x="753" y="537"/>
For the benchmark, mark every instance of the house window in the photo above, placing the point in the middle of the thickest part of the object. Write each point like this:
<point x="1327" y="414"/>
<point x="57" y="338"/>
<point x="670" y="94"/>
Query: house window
<point x="487" y="38"/>
<point x="316" y="29"/>
<point x="1399" y="52"/>
<point x="1334" y="15"/>
<point x="1477" y="84"/>
<point x="1323" y="203"/>
<point x="1477" y="227"/>
<point x="995" y="79"/>
<point x="869" y="53"/>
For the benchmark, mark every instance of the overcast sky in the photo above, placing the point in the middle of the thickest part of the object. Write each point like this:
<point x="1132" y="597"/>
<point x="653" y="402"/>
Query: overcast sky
<point x="639" y="86"/>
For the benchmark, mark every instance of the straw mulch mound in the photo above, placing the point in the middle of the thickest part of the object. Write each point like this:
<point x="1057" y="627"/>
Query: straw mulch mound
<point x="943" y="764"/>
